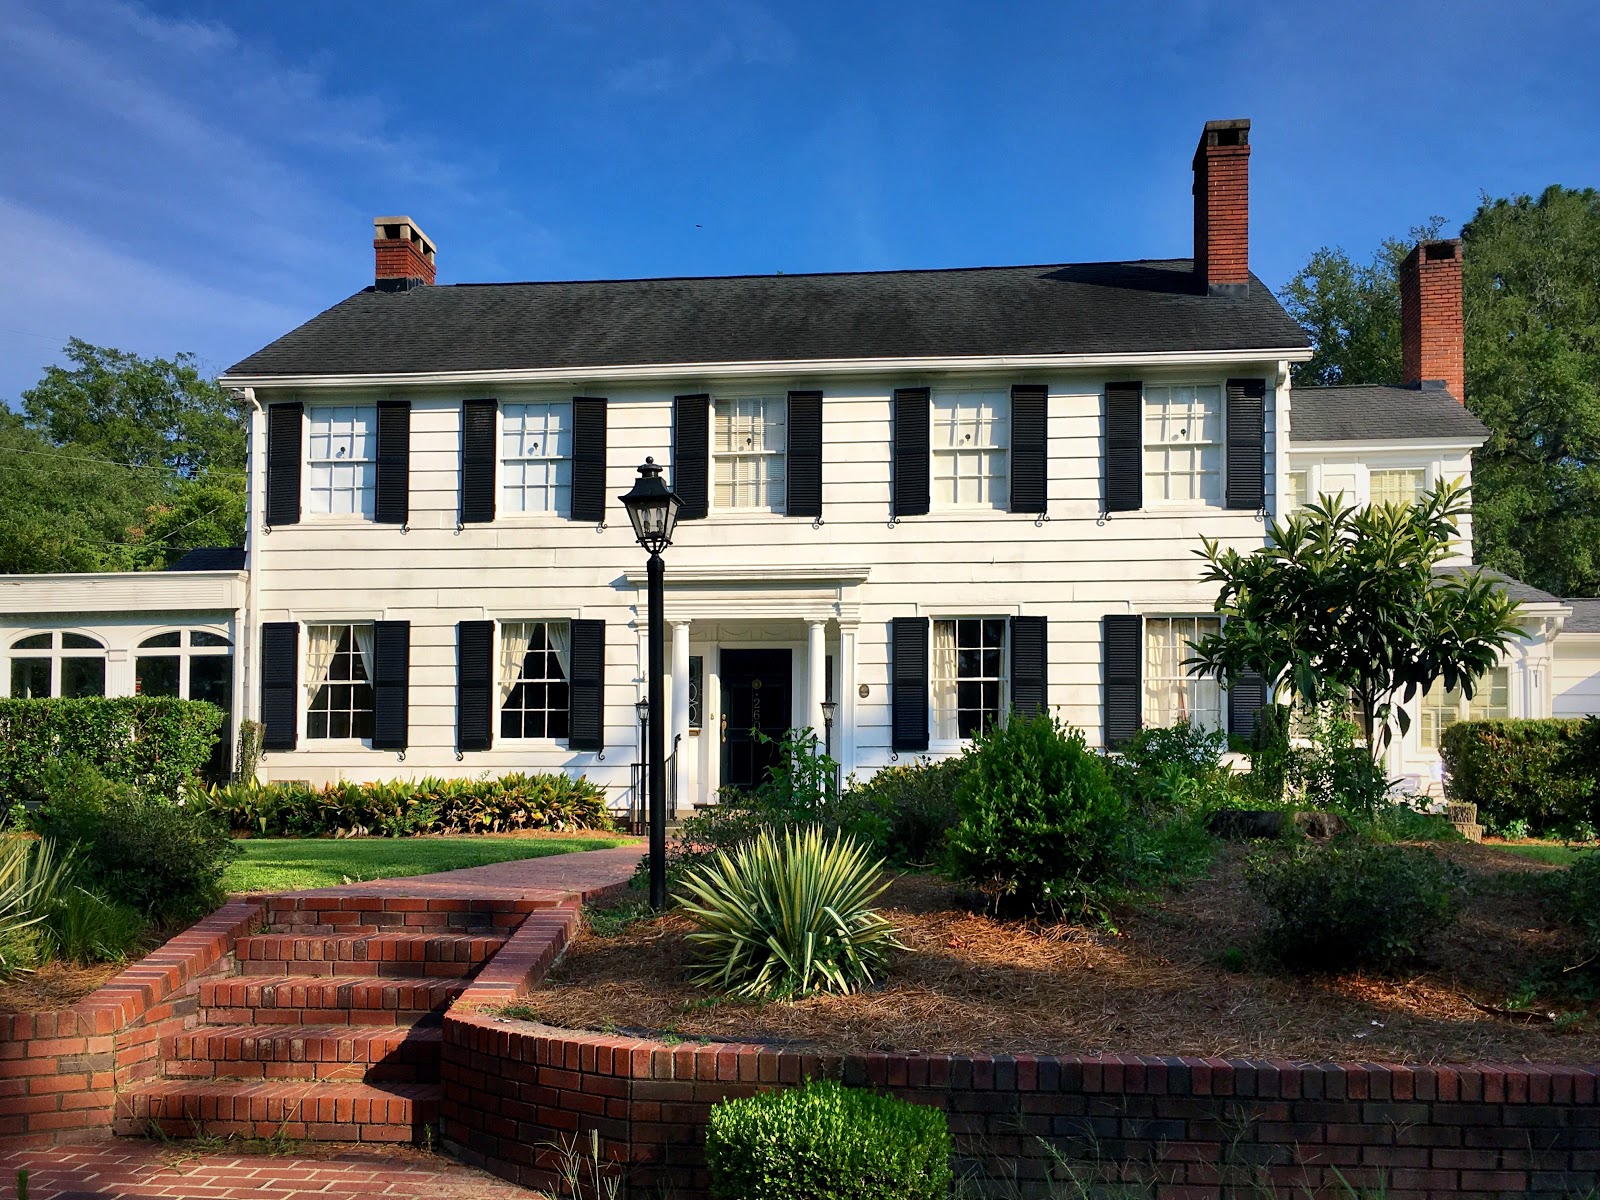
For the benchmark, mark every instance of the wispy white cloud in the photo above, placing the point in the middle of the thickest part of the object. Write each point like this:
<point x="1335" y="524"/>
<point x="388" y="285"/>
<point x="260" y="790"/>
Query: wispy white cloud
<point x="730" y="33"/>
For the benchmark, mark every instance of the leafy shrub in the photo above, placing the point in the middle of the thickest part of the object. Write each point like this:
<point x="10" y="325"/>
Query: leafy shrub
<point x="787" y="918"/>
<point x="164" y="858"/>
<point x="1335" y="769"/>
<point x="906" y="811"/>
<point x="82" y="926"/>
<point x="1042" y="828"/>
<point x="403" y="809"/>
<point x="1168" y="770"/>
<point x="1573" y="896"/>
<point x="148" y="741"/>
<point x="1356" y="903"/>
<point x="31" y="876"/>
<point x="824" y="1141"/>
<point x="1543" y="773"/>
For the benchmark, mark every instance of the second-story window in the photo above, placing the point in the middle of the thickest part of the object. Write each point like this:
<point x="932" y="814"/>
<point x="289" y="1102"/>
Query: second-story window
<point x="1396" y="487"/>
<point x="749" y="444"/>
<point x="971" y="437"/>
<point x="343" y="461"/>
<point x="1183" y="444"/>
<point x="536" y="457"/>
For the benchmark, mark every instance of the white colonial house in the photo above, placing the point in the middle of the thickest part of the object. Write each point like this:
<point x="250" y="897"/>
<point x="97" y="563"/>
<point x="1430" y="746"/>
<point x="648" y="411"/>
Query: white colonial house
<point x="923" y="496"/>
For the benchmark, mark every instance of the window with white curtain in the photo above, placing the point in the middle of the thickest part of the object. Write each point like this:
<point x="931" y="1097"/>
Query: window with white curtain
<point x="1396" y="487"/>
<point x="1442" y="707"/>
<point x="342" y="465"/>
<point x="749" y="450"/>
<point x="536" y="457"/>
<point x="339" y="681"/>
<point x="534" y="662"/>
<point x="65" y="665"/>
<point x="967" y="676"/>
<point x="1171" y="694"/>
<point x="971" y="449"/>
<point x="1183" y="444"/>
<point x="1297" y="492"/>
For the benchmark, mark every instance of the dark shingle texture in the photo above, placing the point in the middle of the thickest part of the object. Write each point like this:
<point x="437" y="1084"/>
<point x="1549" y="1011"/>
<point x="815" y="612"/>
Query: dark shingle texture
<point x="1524" y="593"/>
<point x="210" y="558"/>
<point x="1585" y="616"/>
<point x="1373" y="413"/>
<point x="1090" y="308"/>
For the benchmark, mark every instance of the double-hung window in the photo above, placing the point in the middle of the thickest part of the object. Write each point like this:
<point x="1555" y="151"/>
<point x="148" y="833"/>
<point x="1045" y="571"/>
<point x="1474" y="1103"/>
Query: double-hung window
<point x="968" y="676"/>
<point x="1442" y="707"/>
<point x="971" y="439"/>
<point x="534" y="662"/>
<point x="339" y="681"/>
<point x="536" y="457"/>
<point x="342" y="465"/>
<point x="1171" y="694"/>
<point x="1396" y="487"/>
<point x="749" y="452"/>
<point x="1183" y="444"/>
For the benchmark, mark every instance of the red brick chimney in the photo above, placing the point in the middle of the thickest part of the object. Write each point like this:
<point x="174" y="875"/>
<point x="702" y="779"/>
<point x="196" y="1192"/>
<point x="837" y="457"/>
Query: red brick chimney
<point x="1433" y="342"/>
<point x="1222" y="209"/>
<point x="404" y="254"/>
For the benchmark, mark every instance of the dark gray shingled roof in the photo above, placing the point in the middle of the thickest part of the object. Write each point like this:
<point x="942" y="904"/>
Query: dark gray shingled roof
<point x="1585" y="616"/>
<point x="211" y="558"/>
<point x="1085" y="308"/>
<point x="1375" y="413"/>
<point x="1524" y="593"/>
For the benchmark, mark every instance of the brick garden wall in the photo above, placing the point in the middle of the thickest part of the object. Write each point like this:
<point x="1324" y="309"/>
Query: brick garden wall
<point x="59" y="1071"/>
<point x="1192" y="1129"/>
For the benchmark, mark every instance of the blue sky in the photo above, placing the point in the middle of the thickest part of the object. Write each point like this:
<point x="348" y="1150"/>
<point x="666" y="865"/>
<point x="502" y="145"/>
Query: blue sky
<point x="203" y="176"/>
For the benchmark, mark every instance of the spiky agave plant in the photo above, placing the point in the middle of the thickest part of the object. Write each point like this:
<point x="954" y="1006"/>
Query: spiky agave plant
<point x="31" y="876"/>
<point x="789" y="917"/>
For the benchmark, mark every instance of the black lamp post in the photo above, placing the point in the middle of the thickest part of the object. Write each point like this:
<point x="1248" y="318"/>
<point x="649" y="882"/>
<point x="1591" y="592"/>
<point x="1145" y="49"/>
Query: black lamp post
<point x="653" y="509"/>
<point x="642" y="707"/>
<point x="829" y="707"/>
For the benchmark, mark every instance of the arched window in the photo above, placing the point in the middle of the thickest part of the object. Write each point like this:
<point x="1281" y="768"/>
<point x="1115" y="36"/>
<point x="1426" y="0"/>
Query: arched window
<point x="192" y="664"/>
<point x="67" y="665"/>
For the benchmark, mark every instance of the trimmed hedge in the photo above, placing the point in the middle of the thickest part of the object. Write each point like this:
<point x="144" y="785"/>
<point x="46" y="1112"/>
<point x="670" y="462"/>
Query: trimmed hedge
<point x="1543" y="773"/>
<point x="151" y="742"/>
<point x="402" y="809"/>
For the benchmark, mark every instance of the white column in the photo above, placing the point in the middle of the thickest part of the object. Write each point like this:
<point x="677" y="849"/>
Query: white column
<point x="679" y="728"/>
<point x="844" y="730"/>
<point x="816" y="664"/>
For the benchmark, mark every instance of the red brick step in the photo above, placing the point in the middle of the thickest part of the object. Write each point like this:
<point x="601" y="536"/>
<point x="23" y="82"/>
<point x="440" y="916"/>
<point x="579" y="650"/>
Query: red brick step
<point x="323" y="1112"/>
<point x="324" y="999"/>
<point x="365" y="954"/>
<point x="370" y="1053"/>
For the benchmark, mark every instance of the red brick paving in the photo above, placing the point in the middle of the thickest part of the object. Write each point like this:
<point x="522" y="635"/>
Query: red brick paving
<point x="130" y="1169"/>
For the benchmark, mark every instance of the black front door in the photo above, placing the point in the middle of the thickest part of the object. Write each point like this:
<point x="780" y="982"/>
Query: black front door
<point x="756" y="686"/>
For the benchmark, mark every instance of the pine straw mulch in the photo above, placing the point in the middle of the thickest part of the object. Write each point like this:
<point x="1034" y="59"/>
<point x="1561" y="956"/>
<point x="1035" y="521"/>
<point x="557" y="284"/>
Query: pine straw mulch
<point x="969" y="984"/>
<point x="53" y="986"/>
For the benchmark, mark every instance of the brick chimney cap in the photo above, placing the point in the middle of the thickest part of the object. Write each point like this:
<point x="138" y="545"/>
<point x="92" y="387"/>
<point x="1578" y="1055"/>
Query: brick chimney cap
<point x="403" y="229"/>
<point x="1436" y="250"/>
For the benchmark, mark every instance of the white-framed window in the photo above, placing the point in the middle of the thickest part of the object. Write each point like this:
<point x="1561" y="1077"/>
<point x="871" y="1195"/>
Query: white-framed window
<point x="1171" y="694"/>
<point x="57" y="664"/>
<point x="534" y="661"/>
<point x="342" y="466"/>
<point x="750" y="442"/>
<point x="339" y="681"/>
<point x="536" y="457"/>
<point x="971" y="449"/>
<point x="1183" y="444"/>
<point x="191" y="664"/>
<point x="1297" y="497"/>
<point x="1396" y="487"/>
<point x="1442" y="707"/>
<point x="968" y="676"/>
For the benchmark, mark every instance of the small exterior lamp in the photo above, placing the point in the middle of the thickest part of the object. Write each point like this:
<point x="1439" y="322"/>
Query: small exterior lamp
<point x="829" y="708"/>
<point x="642" y="707"/>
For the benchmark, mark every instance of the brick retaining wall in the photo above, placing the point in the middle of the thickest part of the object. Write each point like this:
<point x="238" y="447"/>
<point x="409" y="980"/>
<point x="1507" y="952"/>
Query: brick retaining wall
<point x="59" y="1071"/>
<point x="1192" y="1129"/>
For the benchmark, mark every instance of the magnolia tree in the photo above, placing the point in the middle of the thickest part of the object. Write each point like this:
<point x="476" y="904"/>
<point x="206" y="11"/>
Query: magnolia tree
<point x="1348" y="605"/>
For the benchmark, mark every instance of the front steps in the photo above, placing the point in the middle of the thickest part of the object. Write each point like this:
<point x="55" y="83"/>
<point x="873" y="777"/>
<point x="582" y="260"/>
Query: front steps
<point x="330" y="1029"/>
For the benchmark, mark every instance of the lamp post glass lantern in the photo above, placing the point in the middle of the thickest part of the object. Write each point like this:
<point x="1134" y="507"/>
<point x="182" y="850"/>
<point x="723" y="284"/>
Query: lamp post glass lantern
<point x="829" y="707"/>
<point x="653" y="510"/>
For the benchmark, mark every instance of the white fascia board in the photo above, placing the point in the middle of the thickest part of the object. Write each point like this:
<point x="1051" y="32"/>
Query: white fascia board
<point x="1400" y="445"/>
<point x="835" y="366"/>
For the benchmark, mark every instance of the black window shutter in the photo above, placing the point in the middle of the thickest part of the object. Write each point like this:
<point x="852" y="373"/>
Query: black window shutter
<point x="1124" y="483"/>
<point x="589" y="459"/>
<point x="394" y="462"/>
<point x="586" y="690"/>
<point x="1030" y="665"/>
<point x="1247" y="443"/>
<point x="805" y="454"/>
<point x="1123" y="655"/>
<point x="909" y="690"/>
<point x="478" y="460"/>
<point x="475" y="685"/>
<point x="280" y="684"/>
<point x="691" y="454"/>
<point x="912" y="433"/>
<point x="1030" y="459"/>
<point x="391" y="687"/>
<point x="283" y="463"/>
<point x="1247" y="696"/>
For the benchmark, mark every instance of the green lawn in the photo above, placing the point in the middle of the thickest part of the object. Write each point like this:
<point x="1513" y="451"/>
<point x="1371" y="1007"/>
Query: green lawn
<point x="289" y="864"/>
<point x="1553" y="853"/>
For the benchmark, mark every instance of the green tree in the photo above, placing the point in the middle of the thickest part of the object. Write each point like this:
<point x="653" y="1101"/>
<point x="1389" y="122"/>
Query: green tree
<point x="1352" y="604"/>
<point x="1532" y="301"/>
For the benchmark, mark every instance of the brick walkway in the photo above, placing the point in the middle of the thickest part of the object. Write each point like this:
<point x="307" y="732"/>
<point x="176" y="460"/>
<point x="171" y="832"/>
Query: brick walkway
<point x="128" y="1168"/>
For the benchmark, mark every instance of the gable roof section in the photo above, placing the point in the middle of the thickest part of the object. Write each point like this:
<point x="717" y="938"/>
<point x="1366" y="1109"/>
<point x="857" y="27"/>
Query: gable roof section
<point x="1087" y="308"/>
<point x="1585" y="616"/>
<point x="210" y="558"/>
<point x="1376" y="413"/>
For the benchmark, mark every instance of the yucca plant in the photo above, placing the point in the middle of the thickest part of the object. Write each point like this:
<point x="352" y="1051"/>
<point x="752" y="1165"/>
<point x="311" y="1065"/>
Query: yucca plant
<point x="788" y="918"/>
<point x="31" y="876"/>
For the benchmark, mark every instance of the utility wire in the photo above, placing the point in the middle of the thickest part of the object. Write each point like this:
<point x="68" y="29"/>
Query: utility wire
<point x="111" y="462"/>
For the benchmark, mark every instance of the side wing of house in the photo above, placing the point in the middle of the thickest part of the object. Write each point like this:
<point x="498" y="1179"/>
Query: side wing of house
<point x="1576" y="684"/>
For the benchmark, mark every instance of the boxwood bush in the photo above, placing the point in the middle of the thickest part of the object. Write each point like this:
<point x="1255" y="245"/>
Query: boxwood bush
<point x="1543" y="774"/>
<point x="905" y="811"/>
<point x="824" y="1141"/>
